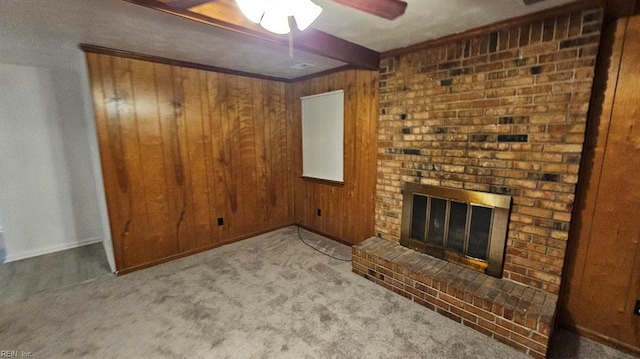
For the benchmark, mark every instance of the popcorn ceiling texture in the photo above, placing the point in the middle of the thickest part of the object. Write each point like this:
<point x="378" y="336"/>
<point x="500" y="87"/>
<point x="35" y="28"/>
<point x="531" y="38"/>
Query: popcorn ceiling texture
<point x="504" y="112"/>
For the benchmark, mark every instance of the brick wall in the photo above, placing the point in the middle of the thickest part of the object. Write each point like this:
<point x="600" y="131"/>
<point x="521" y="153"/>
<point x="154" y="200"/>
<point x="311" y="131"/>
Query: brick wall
<point x="505" y="113"/>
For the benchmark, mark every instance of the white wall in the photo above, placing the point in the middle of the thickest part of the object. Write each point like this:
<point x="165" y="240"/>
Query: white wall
<point x="51" y="193"/>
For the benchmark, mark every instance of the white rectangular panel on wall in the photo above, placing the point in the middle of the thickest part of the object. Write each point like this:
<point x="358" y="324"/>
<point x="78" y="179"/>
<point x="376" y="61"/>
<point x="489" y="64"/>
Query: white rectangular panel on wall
<point x="323" y="136"/>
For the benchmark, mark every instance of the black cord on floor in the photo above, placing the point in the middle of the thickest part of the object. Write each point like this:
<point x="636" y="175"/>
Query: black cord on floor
<point x="317" y="250"/>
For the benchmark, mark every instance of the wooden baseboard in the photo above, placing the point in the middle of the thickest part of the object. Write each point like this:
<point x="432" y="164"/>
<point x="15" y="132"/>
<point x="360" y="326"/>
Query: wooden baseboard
<point x="340" y="240"/>
<point x="198" y="250"/>
<point x="600" y="338"/>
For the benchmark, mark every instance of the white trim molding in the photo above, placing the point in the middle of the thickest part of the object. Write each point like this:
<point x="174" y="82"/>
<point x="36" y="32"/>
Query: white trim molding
<point x="47" y="250"/>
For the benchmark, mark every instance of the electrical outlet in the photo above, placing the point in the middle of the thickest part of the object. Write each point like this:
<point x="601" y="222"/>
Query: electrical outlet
<point x="319" y="212"/>
<point x="220" y="221"/>
<point x="636" y="311"/>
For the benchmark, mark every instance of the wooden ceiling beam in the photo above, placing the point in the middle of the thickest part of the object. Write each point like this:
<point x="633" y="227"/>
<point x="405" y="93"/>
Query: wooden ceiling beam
<point x="615" y="9"/>
<point x="312" y="41"/>
<point x="186" y="4"/>
<point x="388" y="9"/>
<point x="323" y="44"/>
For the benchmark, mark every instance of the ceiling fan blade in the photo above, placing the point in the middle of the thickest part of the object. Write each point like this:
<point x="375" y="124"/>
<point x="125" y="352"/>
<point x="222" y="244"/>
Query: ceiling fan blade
<point x="186" y="4"/>
<point x="388" y="9"/>
<point x="530" y="2"/>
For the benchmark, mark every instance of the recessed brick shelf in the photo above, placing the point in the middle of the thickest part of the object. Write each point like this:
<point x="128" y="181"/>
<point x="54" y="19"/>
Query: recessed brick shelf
<point x="510" y="312"/>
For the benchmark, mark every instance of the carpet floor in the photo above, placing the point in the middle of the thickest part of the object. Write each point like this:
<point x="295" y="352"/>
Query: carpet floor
<point x="270" y="296"/>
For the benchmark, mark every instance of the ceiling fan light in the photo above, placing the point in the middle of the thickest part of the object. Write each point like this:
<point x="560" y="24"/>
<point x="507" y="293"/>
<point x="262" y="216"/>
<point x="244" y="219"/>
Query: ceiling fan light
<point x="283" y="7"/>
<point x="276" y="22"/>
<point x="306" y="13"/>
<point x="252" y="9"/>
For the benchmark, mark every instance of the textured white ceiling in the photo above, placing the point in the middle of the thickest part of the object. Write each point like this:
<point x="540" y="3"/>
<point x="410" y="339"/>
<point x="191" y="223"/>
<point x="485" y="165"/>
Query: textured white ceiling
<point x="423" y="20"/>
<point x="121" y="25"/>
<point x="125" y="26"/>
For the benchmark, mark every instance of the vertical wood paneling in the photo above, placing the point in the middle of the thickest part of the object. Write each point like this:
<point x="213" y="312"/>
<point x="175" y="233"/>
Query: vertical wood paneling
<point x="169" y="116"/>
<point x="198" y="201"/>
<point x="350" y="143"/>
<point x="234" y="171"/>
<point x="182" y="147"/>
<point x="347" y="210"/>
<point x="152" y="166"/>
<point x="258" y="116"/>
<point x="183" y="222"/>
<point x="602" y="280"/>
<point x="278" y="134"/>
<point x="115" y="180"/>
<point x="287" y="90"/>
<point x="270" y="193"/>
<point x="247" y="151"/>
<point x="364" y="140"/>
<point x="122" y="119"/>
<point x="216" y="168"/>
<point x="293" y="91"/>
<point x="207" y="150"/>
<point x="225" y="186"/>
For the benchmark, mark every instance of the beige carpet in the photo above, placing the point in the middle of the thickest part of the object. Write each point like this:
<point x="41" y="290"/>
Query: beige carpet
<point x="266" y="297"/>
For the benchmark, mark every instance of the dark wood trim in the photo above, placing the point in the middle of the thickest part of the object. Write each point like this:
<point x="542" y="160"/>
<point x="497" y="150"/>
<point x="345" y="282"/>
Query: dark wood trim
<point x="323" y="44"/>
<point x="509" y="23"/>
<point x="160" y="6"/>
<point x="616" y="9"/>
<point x="323" y="181"/>
<point x="388" y="9"/>
<point x="163" y="60"/>
<point x="311" y="40"/>
<point x="614" y="343"/>
<point x="324" y="73"/>
<point x="198" y="250"/>
<point x="339" y="240"/>
<point x="186" y="4"/>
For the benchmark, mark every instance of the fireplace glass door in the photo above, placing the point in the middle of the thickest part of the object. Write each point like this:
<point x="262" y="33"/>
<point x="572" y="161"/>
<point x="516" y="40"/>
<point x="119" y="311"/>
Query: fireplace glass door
<point x="464" y="231"/>
<point x="464" y="227"/>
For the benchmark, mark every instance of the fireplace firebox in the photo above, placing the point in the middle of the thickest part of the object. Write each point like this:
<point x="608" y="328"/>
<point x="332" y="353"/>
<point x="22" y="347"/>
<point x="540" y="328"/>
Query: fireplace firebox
<point x="461" y="226"/>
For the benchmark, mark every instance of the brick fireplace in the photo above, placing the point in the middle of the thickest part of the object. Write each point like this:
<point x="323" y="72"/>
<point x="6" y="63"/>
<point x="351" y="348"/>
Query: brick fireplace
<point x="504" y="113"/>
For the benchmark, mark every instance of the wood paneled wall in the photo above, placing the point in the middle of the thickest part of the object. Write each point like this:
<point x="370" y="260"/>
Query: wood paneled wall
<point x="602" y="274"/>
<point x="347" y="211"/>
<point x="182" y="147"/>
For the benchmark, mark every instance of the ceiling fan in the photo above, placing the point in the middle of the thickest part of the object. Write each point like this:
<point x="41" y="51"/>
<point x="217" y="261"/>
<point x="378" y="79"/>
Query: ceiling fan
<point x="388" y="9"/>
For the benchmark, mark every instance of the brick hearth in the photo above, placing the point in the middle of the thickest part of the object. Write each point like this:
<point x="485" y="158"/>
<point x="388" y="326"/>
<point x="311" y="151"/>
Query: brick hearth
<point x="512" y="313"/>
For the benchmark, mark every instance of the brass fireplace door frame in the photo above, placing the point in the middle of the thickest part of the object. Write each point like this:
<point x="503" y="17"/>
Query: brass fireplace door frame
<point x="501" y="206"/>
